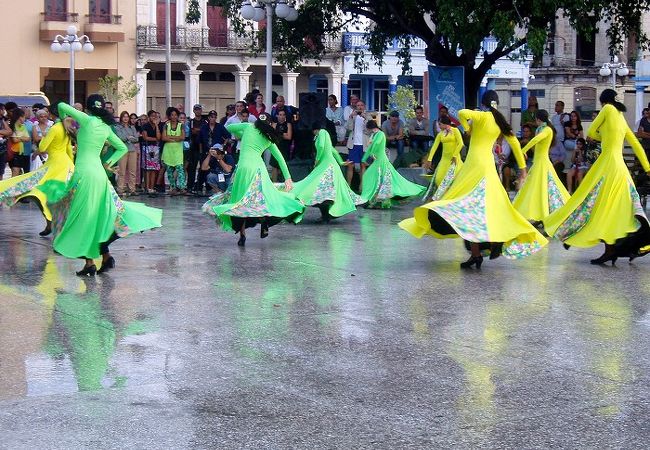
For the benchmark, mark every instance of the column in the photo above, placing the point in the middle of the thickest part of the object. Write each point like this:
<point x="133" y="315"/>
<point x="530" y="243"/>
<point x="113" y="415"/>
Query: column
<point x="524" y="95"/>
<point x="481" y="90"/>
<point x="639" y="102"/>
<point x="290" y="87"/>
<point x="334" y="84"/>
<point x="181" y="25"/>
<point x="204" y="23"/>
<point x="191" y="88"/>
<point x="153" y="19"/>
<point x="152" y="35"/>
<point x="343" y="101"/>
<point x="141" y="96"/>
<point x="242" y="83"/>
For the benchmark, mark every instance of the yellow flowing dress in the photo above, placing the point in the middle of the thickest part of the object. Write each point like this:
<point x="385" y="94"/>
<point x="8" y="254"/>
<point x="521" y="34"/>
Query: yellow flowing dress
<point x="543" y="192"/>
<point x="606" y="206"/>
<point x="59" y="166"/>
<point x="450" y="162"/>
<point x="476" y="207"/>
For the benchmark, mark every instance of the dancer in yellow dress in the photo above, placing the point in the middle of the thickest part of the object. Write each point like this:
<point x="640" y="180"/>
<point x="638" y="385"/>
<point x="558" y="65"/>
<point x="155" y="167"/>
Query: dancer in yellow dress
<point x="450" y="162"/>
<point x="606" y="206"/>
<point x="543" y="192"/>
<point x="476" y="207"/>
<point x="59" y="166"/>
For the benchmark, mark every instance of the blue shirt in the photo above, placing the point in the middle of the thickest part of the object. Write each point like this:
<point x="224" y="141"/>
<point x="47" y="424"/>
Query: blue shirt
<point x="211" y="136"/>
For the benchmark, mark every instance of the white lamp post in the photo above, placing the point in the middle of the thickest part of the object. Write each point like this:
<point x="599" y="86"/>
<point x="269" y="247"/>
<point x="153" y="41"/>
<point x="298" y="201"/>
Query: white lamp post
<point x="257" y="13"/>
<point x="614" y="68"/>
<point x="72" y="44"/>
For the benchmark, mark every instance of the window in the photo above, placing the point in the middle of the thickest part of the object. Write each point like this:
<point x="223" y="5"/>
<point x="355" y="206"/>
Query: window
<point x="380" y="96"/>
<point x="218" y="25"/>
<point x="60" y="90"/>
<point x="539" y="93"/>
<point x="160" y="19"/>
<point x="585" y="101"/>
<point x="99" y="11"/>
<point x="321" y="86"/>
<point x="585" y="49"/>
<point x="56" y="10"/>
<point x="354" y="88"/>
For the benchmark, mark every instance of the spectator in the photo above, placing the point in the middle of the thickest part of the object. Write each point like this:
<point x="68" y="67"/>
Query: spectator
<point x="643" y="131"/>
<point x="572" y="131"/>
<point x="578" y="167"/>
<point x="39" y="130"/>
<point x="151" y="138"/>
<point x="219" y="166"/>
<point x="558" y="156"/>
<point x="334" y="114"/>
<point x="212" y="133"/>
<point x="195" y="156"/>
<point x="20" y="137"/>
<point x="78" y="107"/>
<point x="393" y="128"/>
<point x="5" y="135"/>
<point x="258" y="107"/>
<point x="351" y="108"/>
<point x="127" y="167"/>
<point x="230" y="111"/>
<point x="289" y="110"/>
<point x="284" y="128"/>
<point x="358" y="140"/>
<point x="109" y="108"/>
<point x="528" y="116"/>
<point x="558" y="119"/>
<point x="443" y="111"/>
<point x="180" y="108"/>
<point x="419" y="137"/>
<point x="240" y="109"/>
<point x="527" y="133"/>
<point x="173" y="136"/>
<point x="134" y="121"/>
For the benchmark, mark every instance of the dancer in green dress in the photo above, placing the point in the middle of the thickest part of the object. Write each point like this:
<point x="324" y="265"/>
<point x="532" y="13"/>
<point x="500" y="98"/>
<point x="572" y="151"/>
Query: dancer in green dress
<point x="87" y="213"/>
<point x="325" y="187"/>
<point x="382" y="186"/>
<point x="252" y="198"/>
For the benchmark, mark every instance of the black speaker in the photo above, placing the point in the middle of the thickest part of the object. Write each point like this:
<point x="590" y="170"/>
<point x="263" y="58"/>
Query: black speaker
<point x="312" y="109"/>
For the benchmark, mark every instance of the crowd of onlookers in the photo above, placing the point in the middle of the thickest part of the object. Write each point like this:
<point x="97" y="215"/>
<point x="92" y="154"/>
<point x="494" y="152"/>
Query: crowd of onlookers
<point x="195" y="155"/>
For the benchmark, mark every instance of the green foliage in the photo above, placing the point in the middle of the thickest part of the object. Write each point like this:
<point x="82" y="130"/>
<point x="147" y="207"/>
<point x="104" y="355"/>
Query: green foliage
<point x="453" y="30"/>
<point x="193" y="12"/>
<point x="403" y="101"/>
<point x="114" y="89"/>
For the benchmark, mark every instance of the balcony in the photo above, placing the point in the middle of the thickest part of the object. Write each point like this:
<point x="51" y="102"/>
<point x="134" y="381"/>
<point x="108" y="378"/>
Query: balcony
<point x="207" y="40"/>
<point x="104" y="28"/>
<point x="53" y="23"/>
<point x="357" y="41"/>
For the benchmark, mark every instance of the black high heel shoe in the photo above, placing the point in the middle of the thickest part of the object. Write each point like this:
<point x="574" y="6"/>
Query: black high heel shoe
<point x="89" y="271"/>
<point x="264" y="230"/>
<point x="242" y="241"/>
<point x="106" y="266"/>
<point x="478" y="260"/>
<point x="566" y="246"/>
<point x="47" y="231"/>
<point x="604" y="258"/>
<point x="495" y="250"/>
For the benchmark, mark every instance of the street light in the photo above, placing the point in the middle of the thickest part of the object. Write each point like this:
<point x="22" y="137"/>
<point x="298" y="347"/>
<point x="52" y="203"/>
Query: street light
<point x="614" y="68"/>
<point x="283" y="10"/>
<point x="71" y="44"/>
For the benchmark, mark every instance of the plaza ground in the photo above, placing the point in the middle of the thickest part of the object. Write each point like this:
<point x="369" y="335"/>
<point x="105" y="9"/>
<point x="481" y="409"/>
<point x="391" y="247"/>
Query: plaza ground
<point x="352" y="335"/>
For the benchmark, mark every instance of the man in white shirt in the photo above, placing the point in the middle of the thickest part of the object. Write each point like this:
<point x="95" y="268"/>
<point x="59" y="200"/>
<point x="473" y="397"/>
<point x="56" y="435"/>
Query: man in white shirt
<point x="358" y="140"/>
<point x="351" y="108"/>
<point x="557" y="120"/>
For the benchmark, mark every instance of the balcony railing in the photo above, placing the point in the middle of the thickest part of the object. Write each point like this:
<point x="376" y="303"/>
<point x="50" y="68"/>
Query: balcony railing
<point x="104" y="18"/>
<point x="54" y="16"/>
<point x="357" y="40"/>
<point x="204" y="38"/>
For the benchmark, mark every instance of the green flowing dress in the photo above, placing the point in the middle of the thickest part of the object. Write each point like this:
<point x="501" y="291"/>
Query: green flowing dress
<point x="86" y="211"/>
<point x="325" y="185"/>
<point x="252" y="198"/>
<point x="382" y="186"/>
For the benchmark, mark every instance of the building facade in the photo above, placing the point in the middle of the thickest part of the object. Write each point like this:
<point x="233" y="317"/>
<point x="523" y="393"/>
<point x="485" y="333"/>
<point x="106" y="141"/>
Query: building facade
<point x="211" y="64"/>
<point x="29" y="29"/>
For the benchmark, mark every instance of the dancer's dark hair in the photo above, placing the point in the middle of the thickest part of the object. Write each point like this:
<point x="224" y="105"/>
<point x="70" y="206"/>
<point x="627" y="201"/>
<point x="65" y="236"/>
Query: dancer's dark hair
<point x="542" y="115"/>
<point x="489" y="98"/>
<point x="608" y="96"/>
<point x="445" y="120"/>
<point x="371" y="125"/>
<point x="96" y="105"/>
<point x="264" y="126"/>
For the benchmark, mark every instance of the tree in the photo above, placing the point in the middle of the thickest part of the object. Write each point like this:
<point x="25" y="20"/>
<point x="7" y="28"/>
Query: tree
<point x="453" y="30"/>
<point x="115" y="90"/>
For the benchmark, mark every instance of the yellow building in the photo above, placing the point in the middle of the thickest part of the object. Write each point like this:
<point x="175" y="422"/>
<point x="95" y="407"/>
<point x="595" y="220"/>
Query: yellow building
<point x="29" y="27"/>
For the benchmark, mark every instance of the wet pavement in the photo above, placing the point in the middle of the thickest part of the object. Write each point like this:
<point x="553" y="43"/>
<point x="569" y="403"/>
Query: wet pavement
<point x="353" y="335"/>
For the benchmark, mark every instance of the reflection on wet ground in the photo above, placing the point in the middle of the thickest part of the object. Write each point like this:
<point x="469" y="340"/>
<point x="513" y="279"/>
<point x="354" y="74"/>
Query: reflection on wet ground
<point x="345" y="336"/>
